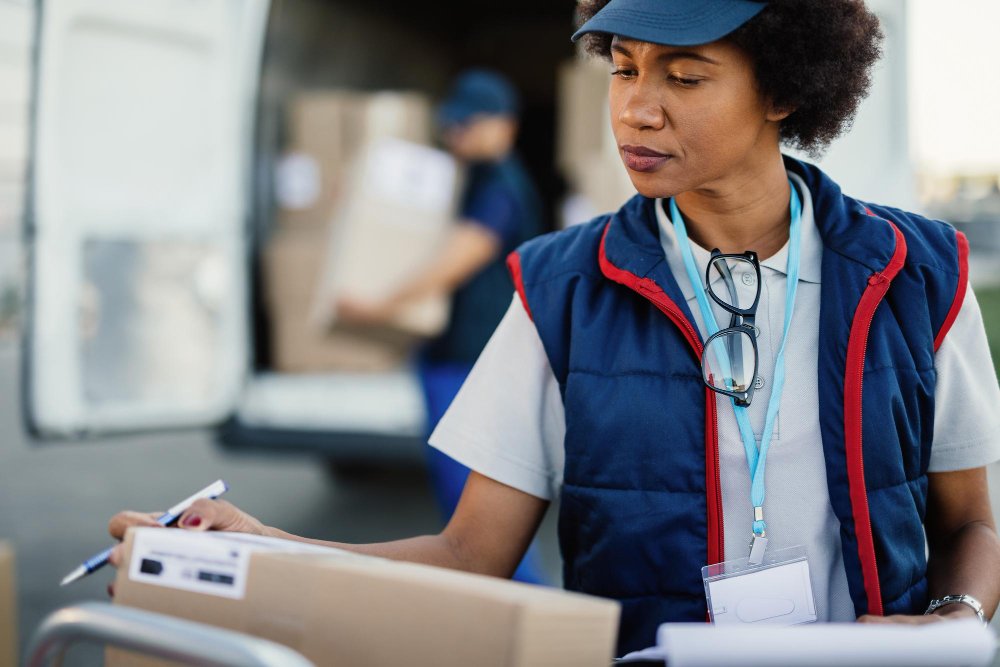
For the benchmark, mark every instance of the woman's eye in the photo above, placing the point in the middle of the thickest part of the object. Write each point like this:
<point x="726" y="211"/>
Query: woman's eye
<point x="623" y="73"/>
<point x="684" y="81"/>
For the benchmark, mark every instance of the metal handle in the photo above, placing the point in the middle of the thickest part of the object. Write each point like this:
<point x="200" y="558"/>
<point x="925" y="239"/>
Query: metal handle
<point x="156" y="635"/>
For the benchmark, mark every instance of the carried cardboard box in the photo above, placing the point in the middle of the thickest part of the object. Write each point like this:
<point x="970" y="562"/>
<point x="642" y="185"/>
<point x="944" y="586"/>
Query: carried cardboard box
<point x="392" y="221"/>
<point x="294" y="262"/>
<point x="8" y="608"/>
<point x="345" y="610"/>
<point x="364" y="203"/>
<point x="395" y="218"/>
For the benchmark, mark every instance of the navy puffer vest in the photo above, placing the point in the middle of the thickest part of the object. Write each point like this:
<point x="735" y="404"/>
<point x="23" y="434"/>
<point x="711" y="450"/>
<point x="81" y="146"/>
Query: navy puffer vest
<point x="641" y="505"/>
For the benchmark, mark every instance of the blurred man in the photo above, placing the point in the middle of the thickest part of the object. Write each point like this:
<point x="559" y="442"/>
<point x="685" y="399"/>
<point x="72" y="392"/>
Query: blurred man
<point x="500" y="209"/>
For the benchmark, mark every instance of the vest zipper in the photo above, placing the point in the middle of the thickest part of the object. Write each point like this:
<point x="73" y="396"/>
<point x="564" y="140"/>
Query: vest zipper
<point x="713" y="476"/>
<point x="711" y="410"/>
<point x="857" y="349"/>
<point x="653" y="293"/>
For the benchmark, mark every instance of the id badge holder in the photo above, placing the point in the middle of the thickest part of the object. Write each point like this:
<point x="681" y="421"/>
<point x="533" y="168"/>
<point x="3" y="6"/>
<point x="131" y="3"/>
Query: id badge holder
<point x="776" y="590"/>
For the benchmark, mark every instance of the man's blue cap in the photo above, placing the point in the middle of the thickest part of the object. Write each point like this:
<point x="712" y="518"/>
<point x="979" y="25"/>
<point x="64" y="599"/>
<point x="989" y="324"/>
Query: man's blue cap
<point x="671" y="22"/>
<point x="478" y="91"/>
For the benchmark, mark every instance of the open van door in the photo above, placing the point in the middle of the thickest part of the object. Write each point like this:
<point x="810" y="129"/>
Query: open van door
<point x="138" y="213"/>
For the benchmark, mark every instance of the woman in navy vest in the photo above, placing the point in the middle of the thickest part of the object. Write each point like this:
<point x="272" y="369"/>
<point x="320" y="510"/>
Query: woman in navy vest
<point x="740" y="311"/>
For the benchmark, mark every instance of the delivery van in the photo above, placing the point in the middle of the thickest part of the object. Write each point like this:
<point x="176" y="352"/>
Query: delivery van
<point x="158" y="128"/>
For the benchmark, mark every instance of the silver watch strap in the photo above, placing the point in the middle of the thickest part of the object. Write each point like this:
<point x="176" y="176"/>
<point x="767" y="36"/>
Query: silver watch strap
<point x="969" y="601"/>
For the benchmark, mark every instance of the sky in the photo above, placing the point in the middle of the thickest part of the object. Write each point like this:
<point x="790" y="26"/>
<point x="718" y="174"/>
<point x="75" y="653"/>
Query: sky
<point x="954" y="85"/>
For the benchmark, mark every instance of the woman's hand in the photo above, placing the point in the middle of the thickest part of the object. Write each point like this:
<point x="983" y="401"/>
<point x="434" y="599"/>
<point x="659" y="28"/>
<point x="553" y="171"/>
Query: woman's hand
<point x="953" y="612"/>
<point x="362" y="312"/>
<point x="202" y="515"/>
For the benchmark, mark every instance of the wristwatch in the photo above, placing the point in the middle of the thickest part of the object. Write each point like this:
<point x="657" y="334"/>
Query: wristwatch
<point x="967" y="600"/>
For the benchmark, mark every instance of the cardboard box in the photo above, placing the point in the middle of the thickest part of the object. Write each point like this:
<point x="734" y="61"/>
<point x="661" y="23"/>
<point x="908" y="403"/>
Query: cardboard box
<point x="587" y="152"/>
<point x="293" y="267"/>
<point x="326" y="132"/>
<point x="345" y="610"/>
<point x="582" y="108"/>
<point x="364" y="205"/>
<point x="395" y="218"/>
<point x="8" y="608"/>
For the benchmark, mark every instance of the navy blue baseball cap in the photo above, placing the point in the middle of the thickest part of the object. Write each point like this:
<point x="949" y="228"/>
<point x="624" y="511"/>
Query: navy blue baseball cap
<point x="478" y="91"/>
<point x="671" y="22"/>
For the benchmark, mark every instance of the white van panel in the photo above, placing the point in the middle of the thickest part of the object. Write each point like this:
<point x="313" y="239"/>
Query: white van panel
<point x="143" y="146"/>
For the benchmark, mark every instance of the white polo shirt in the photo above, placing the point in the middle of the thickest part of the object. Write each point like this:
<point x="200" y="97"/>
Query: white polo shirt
<point x="508" y="421"/>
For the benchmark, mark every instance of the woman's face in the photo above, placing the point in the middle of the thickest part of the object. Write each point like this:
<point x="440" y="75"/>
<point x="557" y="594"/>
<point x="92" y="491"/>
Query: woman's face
<point x="688" y="118"/>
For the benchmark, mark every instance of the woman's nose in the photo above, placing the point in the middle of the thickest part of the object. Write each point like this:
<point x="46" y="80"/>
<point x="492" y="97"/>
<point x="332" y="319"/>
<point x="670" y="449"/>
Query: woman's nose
<point x="642" y="109"/>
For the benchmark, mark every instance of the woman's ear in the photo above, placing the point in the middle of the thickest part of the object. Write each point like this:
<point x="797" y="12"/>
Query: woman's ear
<point x="777" y="114"/>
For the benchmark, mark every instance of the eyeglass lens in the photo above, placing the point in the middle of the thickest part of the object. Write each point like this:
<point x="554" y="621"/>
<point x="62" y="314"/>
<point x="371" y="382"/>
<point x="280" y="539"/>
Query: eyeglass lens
<point x="734" y="280"/>
<point x="729" y="361"/>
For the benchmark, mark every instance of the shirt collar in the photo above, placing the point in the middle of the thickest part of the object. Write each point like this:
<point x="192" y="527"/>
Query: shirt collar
<point x="810" y="265"/>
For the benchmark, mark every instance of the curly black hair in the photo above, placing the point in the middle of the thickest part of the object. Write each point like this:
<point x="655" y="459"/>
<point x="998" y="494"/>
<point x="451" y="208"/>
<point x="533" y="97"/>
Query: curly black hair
<point x="815" y="57"/>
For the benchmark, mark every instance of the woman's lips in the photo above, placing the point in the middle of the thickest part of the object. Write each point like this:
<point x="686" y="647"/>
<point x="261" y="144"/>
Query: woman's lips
<point x="640" y="158"/>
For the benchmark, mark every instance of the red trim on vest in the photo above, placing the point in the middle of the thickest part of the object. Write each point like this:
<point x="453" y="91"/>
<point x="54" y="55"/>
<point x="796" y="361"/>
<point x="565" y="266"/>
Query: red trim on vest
<point x="963" y="280"/>
<point x="713" y="486"/>
<point x="878" y="285"/>
<point x="514" y="266"/>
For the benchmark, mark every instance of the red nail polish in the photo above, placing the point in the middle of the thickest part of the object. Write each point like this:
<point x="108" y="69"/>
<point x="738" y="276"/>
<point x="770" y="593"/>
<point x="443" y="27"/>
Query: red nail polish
<point x="193" y="521"/>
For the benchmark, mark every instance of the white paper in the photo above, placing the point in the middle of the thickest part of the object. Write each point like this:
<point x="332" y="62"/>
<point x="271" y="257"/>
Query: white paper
<point x="213" y="563"/>
<point x="781" y="594"/>
<point x="951" y="643"/>
<point x="411" y="175"/>
<point x="297" y="183"/>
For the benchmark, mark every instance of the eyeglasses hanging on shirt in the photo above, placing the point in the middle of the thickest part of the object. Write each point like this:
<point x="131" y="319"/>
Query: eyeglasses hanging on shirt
<point x="729" y="362"/>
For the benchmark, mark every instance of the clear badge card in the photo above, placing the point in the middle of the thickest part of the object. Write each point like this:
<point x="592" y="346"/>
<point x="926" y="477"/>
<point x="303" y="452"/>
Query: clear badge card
<point x="777" y="591"/>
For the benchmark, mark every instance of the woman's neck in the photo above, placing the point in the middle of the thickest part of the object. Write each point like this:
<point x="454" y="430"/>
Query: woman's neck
<point x="746" y="211"/>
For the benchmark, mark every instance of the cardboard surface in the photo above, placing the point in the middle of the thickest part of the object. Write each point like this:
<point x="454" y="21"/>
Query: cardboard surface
<point x="586" y="151"/>
<point x="400" y="206"/>
<point x="293" y="266"/>
<point x="350" y="610"/>
<point x="8" y="607"/>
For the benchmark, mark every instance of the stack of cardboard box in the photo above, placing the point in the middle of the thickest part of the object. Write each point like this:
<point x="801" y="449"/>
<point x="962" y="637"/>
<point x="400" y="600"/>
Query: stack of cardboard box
<point x="587" y="152"/>
<point x="346" y="224"/>
<point x="8" y="608"/>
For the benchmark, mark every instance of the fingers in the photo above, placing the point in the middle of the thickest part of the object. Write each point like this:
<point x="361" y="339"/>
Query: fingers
<point x="900" y="619"/>
<point x="872" y="620"/>
<point x="362" y="312"/>
<point x="219" y="515"/>
<point x="203" y="515"/>
<point x="117" y="555"/>
<point x="124" y="520"/>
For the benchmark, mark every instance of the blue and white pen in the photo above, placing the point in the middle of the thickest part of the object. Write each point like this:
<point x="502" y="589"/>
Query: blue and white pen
<point x="213" y="490"/>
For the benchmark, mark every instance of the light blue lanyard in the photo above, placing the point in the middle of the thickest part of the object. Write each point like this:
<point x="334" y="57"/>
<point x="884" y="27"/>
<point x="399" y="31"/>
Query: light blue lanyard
<point x="756" y="457"/>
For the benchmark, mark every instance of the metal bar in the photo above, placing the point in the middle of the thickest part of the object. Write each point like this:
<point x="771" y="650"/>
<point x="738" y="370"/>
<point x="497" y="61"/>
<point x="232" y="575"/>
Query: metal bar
<point x="155" y="635"/>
